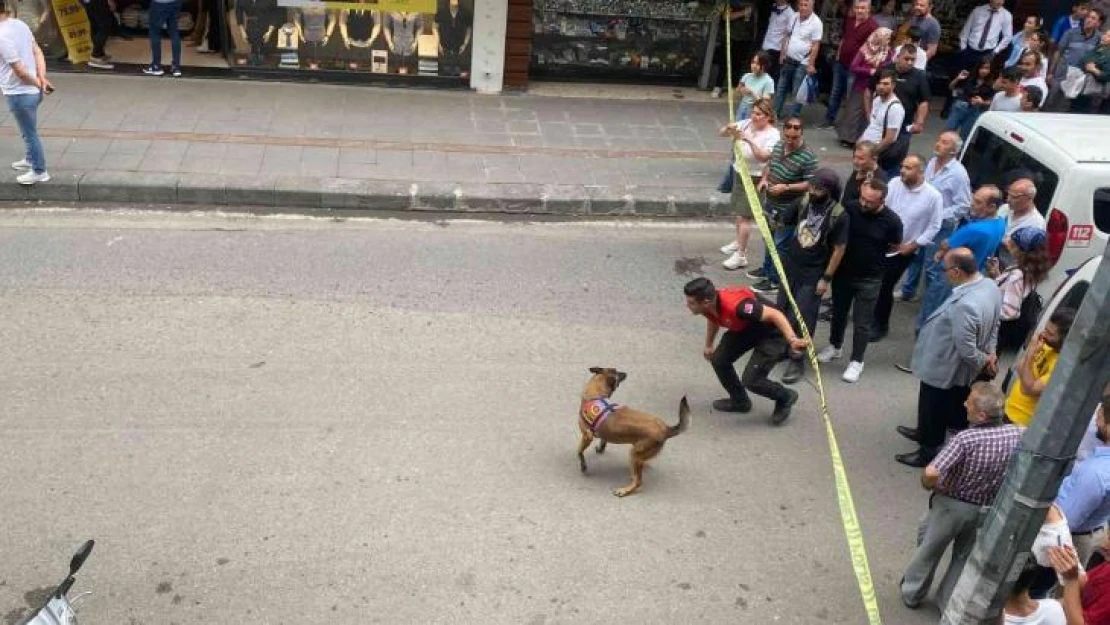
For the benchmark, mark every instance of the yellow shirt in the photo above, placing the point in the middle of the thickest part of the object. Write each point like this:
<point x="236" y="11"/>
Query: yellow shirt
<point x="1019" y="406"/>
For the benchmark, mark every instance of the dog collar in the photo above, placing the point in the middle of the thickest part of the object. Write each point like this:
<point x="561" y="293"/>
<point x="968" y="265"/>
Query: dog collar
<point x="595" y="411"/>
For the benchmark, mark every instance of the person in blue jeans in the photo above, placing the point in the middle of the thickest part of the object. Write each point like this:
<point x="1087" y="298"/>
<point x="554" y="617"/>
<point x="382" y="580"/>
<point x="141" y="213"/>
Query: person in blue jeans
<point x="975" y="90"/>
<point x="163" y="14"/>
<point x="23" y="83"/>
<point x="982" y="234"/>
<point x="798" y="57"/>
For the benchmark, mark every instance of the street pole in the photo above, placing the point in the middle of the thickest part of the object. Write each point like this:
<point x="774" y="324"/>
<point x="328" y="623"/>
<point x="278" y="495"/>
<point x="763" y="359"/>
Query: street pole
<point x="1040" y="464"/>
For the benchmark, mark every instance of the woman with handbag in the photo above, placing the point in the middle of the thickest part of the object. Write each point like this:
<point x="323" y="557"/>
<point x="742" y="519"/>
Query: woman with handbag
<point x="874" y="53"/>
<point x="1021" y="305"/>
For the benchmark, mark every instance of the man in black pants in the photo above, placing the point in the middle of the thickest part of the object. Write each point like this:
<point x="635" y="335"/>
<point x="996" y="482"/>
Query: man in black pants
<point x="101" y="22"/>
<point x="751" y="326"/>
<point x="813" y="254"/>
<point x="873" y="230"/>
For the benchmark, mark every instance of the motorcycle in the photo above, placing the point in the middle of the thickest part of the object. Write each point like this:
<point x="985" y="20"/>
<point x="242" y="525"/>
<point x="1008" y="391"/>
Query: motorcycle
<point x="58" y="609"/>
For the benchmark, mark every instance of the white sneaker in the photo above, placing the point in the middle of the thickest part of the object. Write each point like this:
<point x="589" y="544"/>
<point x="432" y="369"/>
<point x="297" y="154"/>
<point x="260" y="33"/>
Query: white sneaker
<point x="21" y="165"/>
<point x="716" y="92"/>
<point x="736" y="261"/>
<point x="100" y="63"/>
<point x="851" y="374"/>
<point x="730" y="249"/>
<point x="32" y="178"/>
<point x="829" y="353"/>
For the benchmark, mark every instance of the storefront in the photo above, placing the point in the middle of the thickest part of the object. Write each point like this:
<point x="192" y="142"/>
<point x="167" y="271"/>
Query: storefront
<point x="665" y="41"/>
<point x="407" y="41"/>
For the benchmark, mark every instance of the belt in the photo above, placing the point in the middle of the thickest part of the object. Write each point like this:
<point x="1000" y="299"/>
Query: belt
<point x="1089" y="532"/>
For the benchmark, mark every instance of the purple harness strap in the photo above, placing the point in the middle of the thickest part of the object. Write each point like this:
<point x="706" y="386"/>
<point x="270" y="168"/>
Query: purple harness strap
<point x="594" y="412"/>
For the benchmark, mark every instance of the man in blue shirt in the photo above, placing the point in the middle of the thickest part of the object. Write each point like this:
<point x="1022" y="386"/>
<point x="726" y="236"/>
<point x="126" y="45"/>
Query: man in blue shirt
<point x="1084" y="496"/>
<point x="982" y="235"/>
<point x="948" y="176"/>
<point x="1068" y="22"/>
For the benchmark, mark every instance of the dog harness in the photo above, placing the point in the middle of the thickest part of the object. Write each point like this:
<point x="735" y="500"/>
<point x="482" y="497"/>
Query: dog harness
<point x="594" y="412"/>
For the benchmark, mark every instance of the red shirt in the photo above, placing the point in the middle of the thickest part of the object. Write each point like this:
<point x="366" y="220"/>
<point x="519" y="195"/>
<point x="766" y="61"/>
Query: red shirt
<point x="854" y="37"/>
<point x="737" y="309"/>
<point x="1096" y="596"/>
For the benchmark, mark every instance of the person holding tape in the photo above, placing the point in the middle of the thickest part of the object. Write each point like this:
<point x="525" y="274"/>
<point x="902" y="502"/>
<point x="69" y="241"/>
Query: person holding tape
<point x="785" y="181"/>
<point x="750" y="325"/>
<point x="813" y="255"/>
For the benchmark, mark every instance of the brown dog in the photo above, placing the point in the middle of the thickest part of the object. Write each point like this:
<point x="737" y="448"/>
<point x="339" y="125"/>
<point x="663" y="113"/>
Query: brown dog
<point x="598" y="417"/>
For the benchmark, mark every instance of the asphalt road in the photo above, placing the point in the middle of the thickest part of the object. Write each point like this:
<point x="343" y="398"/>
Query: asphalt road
<point x="289" y="420"/>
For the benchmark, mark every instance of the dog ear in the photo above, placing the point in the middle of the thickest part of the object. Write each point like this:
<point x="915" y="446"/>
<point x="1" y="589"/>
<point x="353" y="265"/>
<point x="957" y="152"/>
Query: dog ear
<point x="596" y="370"/>
<point x="621" y="376"/>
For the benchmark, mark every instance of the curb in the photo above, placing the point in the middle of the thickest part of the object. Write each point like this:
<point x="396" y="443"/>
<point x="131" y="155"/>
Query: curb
<point x="283" y="192"/>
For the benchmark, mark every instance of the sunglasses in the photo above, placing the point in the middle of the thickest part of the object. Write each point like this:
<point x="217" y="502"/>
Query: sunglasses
<point x="792" y="126"/>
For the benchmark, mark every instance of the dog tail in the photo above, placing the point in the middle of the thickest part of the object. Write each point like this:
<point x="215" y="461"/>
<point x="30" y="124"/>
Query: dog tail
<point x="683" y="419"/>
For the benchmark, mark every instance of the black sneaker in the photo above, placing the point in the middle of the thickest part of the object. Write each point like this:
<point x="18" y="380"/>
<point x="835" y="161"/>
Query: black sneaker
<point x="826" y="315"/>
<point x="795" y="369"/>
<point x="765" y="286"/>
<point x="783" y="406"/>
<point x="176" y="71"/>
<point x="744" y="404"/>
<point x="756" y="274"/>
<point x="153" y="70"/>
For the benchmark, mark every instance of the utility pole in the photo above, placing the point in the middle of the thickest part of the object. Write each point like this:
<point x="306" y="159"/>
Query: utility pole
<point x="1047" y="449"/>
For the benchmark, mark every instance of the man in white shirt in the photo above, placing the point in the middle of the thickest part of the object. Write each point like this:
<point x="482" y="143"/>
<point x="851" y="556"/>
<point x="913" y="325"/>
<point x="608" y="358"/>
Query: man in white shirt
<point x="1020" y="211"/>
<point x="778" y="27"/>
<point x="798" y="56"/>
<point x="23" y="83"/>
<point x="887" y="114"/>
<point x="988" y="30"/>
<point x="921" y="208"/>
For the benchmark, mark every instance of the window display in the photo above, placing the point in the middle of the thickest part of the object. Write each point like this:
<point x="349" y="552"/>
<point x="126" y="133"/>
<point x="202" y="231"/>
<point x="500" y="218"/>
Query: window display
<point x="635" y="38"/>
<point x="354" y="36"/>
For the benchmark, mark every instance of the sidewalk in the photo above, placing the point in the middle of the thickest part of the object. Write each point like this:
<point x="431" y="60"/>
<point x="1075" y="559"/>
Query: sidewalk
<point x="118" y="139"/>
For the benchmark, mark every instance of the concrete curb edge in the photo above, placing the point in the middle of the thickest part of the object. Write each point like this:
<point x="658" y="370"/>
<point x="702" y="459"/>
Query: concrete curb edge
<point x="285" y="192"/>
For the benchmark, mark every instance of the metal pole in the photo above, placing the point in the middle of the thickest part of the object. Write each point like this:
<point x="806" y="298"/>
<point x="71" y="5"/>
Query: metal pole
<point x="1047" y="449"/>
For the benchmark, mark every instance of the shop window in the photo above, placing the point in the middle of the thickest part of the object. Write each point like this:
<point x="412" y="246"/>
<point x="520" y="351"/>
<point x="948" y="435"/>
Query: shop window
<point x="310" y="35"/>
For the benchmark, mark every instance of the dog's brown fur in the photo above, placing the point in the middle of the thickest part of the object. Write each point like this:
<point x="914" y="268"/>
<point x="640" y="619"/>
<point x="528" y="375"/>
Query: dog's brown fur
<point x="645" y="432"/>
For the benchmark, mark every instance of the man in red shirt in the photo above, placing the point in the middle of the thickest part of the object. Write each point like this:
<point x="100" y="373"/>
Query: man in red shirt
<point x="1086" y="596"/>
<point x="858" y="26"/>
<point x="750" y="325"/>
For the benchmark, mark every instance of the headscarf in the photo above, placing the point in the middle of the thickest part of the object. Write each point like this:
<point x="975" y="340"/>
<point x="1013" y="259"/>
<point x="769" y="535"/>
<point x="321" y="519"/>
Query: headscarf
<point x="1027" y="239"/>
<point x="876" y="49"/>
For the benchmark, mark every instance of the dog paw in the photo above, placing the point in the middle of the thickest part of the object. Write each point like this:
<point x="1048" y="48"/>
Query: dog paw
<point x="582" y="465"/>
<point x="600" y="449"/>
<point x="624" y="492"/>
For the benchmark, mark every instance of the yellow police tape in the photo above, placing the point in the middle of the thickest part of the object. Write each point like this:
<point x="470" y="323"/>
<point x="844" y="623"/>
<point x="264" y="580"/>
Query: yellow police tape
<point x="843" y="491"/>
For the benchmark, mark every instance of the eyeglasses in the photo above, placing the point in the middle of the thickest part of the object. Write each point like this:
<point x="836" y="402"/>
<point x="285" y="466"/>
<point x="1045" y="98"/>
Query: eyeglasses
<point x="792" y="126"/>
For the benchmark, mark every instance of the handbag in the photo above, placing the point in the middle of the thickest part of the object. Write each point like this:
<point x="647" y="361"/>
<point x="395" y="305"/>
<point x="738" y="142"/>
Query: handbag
<point x="1074" y="83"/>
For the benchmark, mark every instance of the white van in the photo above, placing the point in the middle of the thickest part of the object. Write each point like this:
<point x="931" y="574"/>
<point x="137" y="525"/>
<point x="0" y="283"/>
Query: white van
<point x="1068" y="158"/>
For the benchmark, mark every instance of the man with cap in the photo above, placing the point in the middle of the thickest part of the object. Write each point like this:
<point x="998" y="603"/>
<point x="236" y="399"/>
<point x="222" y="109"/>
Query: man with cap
<point x="813" y="254"/>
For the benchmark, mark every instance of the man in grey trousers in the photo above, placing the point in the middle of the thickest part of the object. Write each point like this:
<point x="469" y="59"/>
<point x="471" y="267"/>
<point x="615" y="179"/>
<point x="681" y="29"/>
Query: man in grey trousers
<point x="963" y="480"/>
<point x="956" y="345"/>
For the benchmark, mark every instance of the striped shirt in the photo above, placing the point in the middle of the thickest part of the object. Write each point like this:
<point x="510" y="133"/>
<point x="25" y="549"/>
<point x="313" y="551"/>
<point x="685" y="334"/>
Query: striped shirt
<point x="973" y="463"/>
<point x="797" y="166"/>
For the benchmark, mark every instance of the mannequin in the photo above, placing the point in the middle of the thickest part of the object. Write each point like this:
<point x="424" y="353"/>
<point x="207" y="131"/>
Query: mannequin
<point x="402" y="30"/>
<point x="359" y="29"/>
<point x="453" y="29"/>
<point x="256" y="25"/>
<point x="315" y="26"/>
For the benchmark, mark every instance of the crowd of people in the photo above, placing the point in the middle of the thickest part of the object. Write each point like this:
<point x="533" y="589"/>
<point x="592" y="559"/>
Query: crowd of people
<point x="900" y="223"/>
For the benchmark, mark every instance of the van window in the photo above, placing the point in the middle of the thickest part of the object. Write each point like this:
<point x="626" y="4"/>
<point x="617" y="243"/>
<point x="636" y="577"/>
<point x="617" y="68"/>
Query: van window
<point x="1074" y="297"/>
<point x="991" y="160"/>
<point x="1102" y="210"/>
